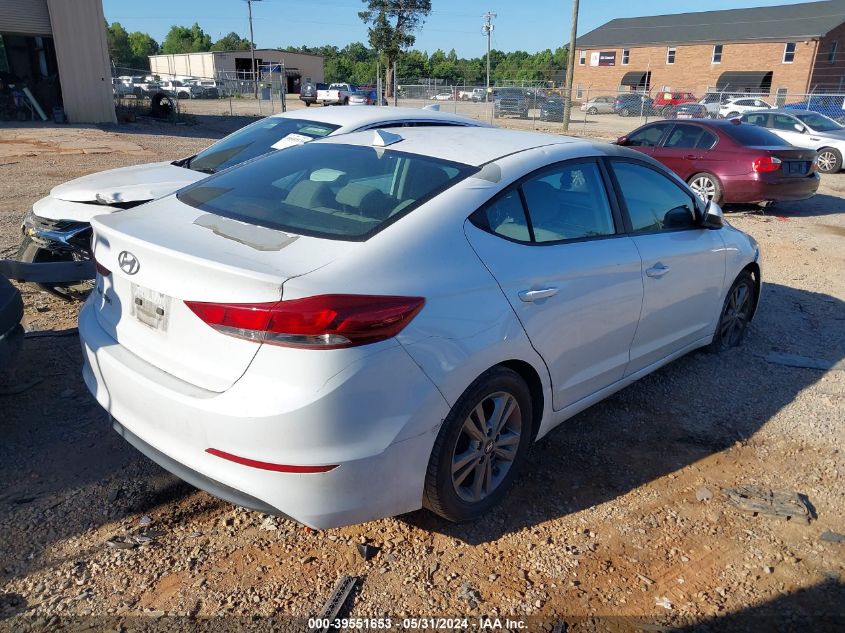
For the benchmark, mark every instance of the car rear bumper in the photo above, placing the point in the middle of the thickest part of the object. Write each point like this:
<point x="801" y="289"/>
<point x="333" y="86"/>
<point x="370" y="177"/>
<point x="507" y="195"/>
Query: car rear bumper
<point x="376" y="420"/>
<point x="752" y="188"/>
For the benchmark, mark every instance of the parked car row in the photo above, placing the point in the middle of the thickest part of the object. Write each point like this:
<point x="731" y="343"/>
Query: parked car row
<point x="348" y="265"/>
<point x="141" y="86"/>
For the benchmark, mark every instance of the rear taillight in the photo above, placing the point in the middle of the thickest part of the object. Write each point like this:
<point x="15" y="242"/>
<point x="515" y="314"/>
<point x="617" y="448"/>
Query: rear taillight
<point x="102" y="270"/>
<point x="766" y="164"/>
<point x="321" y="322"/>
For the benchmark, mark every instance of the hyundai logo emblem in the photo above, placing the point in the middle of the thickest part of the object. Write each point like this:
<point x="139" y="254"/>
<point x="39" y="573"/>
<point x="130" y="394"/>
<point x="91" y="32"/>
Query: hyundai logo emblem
<point x="128" y="263"/>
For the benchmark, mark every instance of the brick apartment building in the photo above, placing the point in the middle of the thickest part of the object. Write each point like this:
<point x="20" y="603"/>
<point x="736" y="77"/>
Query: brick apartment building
<point x="778" y="51"/>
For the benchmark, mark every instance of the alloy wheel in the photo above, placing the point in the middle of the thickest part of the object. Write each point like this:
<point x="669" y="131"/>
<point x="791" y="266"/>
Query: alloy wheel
<point x="826" y="161"/>
<point x="704" y="187"/>
<point x="486" y="446"/>
<point x="736" y="315"/>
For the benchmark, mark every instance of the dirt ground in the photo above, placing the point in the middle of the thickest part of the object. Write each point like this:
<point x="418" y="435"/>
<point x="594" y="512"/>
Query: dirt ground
<point x="619" y="522"/>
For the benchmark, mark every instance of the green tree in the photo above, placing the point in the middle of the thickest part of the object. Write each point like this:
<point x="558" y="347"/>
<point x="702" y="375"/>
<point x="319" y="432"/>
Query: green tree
<point x="120" y="50"/>
<point x="181" y="39"/>
<point x="142" y="46"/>
<point x="392" y="27"/>
<point x="231" y="42"/>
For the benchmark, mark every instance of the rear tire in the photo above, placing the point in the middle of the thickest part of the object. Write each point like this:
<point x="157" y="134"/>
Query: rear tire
<point x="477" y="454"/>
<point x="736" y="314"/>
<point x="829" y="160"/>
<point x="706" y="186"/>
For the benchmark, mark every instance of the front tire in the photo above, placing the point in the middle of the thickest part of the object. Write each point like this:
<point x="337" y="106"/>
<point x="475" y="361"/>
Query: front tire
<point x="829" y="160"/>
<point x="480" y="447"/>
<point x="736" y="314"/>
<point x="706" y="187"/>
<point x="625" y="112"/>
<point x="592" y="111"/>
<point x="31" y="253"/>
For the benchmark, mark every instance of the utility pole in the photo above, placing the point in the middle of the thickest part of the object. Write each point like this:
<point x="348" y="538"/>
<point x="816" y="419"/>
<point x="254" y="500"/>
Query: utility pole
<point x="570" y="67"/>
<point x="487" y="28"/>
<point x="252" y="49"/>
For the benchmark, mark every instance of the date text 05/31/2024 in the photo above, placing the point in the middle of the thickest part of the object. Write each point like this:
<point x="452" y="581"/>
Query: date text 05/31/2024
<point x="419" y="624"/>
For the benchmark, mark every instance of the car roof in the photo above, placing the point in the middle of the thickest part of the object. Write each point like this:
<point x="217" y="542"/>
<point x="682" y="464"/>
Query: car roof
<point x="790" y="111"/>
<point x="356" y="117"/>
<point x="468" y="145"/>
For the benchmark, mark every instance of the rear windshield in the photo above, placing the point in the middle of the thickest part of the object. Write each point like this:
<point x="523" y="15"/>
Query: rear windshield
<point x="819" y="122"/>
<point x="327" y="190"/>
<point x="753" y="136"/>
<point x="254" y="140"/>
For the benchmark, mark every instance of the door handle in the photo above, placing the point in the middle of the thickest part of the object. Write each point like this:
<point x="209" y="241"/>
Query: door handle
<point x="692" y="157"/>
<point x="657" y="271"/>
<point x="535" y="295"/>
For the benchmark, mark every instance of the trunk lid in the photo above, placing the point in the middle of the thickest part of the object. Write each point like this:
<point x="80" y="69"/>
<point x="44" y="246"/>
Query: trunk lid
<point x="127" y="184"/>
<point x="796" y="162"/>
<point x="172" y="253"/>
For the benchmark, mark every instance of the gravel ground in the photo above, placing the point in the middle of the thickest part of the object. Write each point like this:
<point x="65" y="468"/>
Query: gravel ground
<point x="619" y="522"/>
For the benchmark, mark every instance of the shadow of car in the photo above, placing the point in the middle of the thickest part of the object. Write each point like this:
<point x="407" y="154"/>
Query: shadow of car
<point x="11" y="313"/>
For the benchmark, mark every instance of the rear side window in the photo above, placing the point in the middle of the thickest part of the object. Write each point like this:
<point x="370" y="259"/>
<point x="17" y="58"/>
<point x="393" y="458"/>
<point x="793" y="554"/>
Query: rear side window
<point x="753" y="136"/>
<point x="654" y="202"/>
<point x="567" y="203"/>
<point x="328" y="190"/>
<point x="564" y="202"/>
<point x="756" y="119"/>
<point x="690" y="136"/>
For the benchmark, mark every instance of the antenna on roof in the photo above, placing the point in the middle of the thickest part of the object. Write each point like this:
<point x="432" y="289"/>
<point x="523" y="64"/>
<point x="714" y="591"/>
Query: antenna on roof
<point x="383" y="139"/>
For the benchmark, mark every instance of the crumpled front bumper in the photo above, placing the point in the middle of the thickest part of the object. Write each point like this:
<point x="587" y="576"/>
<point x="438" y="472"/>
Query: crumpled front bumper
<point x="57" y="235"/>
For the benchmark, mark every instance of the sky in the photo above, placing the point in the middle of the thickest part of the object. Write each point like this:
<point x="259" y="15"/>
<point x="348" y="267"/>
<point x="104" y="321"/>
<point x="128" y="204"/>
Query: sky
<point x="529" y="25"/>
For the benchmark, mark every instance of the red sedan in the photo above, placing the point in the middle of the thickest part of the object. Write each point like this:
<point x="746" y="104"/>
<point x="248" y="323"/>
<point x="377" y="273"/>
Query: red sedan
<point x="729" y="161"/>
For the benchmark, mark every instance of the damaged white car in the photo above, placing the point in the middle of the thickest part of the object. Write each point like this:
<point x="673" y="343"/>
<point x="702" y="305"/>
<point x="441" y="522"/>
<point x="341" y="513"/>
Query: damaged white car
<point x="58" y="227"/>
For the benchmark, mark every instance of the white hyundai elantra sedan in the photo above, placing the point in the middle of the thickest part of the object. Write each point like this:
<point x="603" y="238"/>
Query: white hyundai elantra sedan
<point x="367" y="324"/>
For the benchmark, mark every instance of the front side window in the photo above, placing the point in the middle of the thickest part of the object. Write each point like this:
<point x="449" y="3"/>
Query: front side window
<point x="670" y="55"/>
<point x="784" y="122"/>
<point x="717" y="54"/>
<point x="654" y="202"/>
<point x="568" y="202"/>
<point x="819" y="122"/>
<point x="789" y="53"/>
<point x="626" y="56"/>
<point x="254" y="140"/>
<point x="690" y="136"/>
<point x="327" y="190"/>
<point x="648" y="136"/>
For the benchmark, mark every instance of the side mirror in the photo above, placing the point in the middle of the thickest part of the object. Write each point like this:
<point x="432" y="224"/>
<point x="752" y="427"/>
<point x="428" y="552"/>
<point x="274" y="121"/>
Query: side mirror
<point x="713" y="216"/>
<point x="622" y="140"/>
<point x="799" y="128"/>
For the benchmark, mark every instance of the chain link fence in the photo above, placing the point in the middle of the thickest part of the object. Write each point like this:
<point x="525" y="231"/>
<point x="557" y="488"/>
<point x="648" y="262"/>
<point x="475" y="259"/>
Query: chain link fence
<point x="600" y="111"/>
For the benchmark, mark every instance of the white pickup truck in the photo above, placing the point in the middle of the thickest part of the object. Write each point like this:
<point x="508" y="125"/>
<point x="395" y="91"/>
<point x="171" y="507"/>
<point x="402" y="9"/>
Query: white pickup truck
<point x="336" y="94"/>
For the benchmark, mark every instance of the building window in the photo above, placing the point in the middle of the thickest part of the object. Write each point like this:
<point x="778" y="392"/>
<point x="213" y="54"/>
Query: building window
<point x="579" y="91"/>
<point x="717" y="54"/>
<point x="626" y="56"/>
<point x="789" y="53"/>
<point x="670" y="55"/>
<point x="780" y="98"/>
<point x="582" y="57"/>
<point x="831" y="55"/>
